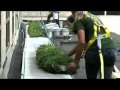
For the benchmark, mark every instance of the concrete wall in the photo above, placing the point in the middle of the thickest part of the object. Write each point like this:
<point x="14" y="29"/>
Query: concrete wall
<point x="112" y="22"/>
<point x="44" y="13"/>
<point x="35" y="15"/>
<point x="6" y="52"/>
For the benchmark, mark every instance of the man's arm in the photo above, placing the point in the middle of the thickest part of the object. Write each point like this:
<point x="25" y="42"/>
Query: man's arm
<point x="79" y="49"/>
<point x="80" y="45"/>
<point x="73" y="51"/>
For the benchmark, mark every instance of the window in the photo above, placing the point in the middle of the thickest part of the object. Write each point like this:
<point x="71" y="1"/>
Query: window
<point x="7" y="29"/>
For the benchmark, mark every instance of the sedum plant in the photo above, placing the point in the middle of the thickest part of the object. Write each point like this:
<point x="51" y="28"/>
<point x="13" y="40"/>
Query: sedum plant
<point x="34" y="29"/>
<point x="52" y="59"/>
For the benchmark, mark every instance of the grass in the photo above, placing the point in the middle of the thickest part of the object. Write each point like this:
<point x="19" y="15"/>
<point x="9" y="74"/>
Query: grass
<point x="34" y="29"/>
<point x="50" y="58"/>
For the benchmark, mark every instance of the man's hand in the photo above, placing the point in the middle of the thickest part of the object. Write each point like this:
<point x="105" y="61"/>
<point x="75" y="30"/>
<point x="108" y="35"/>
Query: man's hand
<point x="72" y="67"/>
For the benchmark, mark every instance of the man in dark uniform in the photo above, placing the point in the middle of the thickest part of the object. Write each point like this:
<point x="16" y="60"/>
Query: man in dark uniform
<point x="51" y="15"/>
<point x="68" y="23"/>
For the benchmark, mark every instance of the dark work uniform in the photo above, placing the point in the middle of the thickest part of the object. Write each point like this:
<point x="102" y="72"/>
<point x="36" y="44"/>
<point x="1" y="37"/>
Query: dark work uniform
<point x="51" y="15"/>
<point x="92" y="61"/>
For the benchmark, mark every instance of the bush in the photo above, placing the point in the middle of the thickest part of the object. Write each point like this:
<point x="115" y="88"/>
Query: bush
<point x="34" y="29"/>
<point x="51" y="58"/>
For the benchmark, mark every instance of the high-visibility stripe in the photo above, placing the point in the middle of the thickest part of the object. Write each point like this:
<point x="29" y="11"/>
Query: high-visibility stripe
<point x="106" y="35"/>
<point x="92" y="40"/>
<point x="101" y="65"/>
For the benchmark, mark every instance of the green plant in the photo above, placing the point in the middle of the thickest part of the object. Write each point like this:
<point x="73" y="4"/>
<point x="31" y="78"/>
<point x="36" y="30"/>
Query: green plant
<point x="34" y="29"/>
<point x="51" y="58"/>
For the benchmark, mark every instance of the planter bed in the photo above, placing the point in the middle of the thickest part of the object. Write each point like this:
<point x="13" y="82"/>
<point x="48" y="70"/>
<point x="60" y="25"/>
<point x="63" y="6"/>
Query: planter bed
<point x="30" y="69"/>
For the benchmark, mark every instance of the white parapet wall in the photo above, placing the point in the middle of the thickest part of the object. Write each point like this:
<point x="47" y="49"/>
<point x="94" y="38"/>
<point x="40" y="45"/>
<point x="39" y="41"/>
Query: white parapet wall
<point x="35" y="15"/>
<point x="112" y="22"/>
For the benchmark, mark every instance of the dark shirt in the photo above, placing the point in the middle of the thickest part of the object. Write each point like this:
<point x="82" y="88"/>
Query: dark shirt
<point x="86" y="24"/>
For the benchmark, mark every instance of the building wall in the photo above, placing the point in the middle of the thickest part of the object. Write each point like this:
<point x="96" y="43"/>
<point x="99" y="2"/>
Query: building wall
<point x="112" y="22"/>
<point x="35" y="15"/>
<point x="9" y="30"/>
<point x="43" y="13"/>
<point x="64" y="13"/>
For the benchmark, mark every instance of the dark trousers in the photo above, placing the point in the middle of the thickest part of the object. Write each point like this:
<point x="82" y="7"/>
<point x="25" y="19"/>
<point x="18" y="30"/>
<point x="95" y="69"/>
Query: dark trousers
<point x="92" y="63"/>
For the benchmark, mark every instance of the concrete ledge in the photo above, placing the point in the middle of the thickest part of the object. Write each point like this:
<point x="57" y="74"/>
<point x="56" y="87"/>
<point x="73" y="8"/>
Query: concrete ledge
<point x="30" y="70"/>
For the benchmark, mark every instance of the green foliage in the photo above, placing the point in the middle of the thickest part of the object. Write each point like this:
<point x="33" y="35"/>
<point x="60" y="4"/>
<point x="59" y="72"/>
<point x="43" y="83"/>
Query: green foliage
<point x="50" y="58"/>
<point x="34" y="29"/>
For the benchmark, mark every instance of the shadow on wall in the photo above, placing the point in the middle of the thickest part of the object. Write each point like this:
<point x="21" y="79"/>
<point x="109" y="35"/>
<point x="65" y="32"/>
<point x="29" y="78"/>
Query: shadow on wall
<point x="16" y="62"/>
